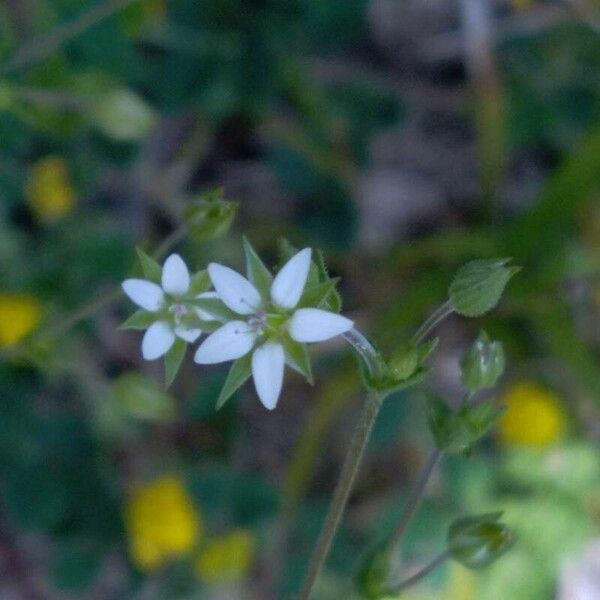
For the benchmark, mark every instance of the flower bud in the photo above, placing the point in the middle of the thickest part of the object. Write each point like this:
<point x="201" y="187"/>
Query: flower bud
<point x="372" y="579"/>
<point x="483" y="364"/>
<point x="477" y="541"/>
<point x="210" y="216"/>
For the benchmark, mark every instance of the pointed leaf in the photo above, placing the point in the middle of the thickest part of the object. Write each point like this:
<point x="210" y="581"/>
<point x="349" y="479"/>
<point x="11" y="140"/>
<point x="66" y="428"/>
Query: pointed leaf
<point x="215" y="307"/>
<point x="256" y="270"/>
<point x="173" y="359"/>
<point x="319" y="295"/>
<point x="200" y="282"/>
<point x="297" y="358"/>
<point x="141" y="319"/>
<point x="151" y="269"/>
<point x="333" y="301"/>
<point x="478" y="286"/>
<point x="239" y="373"/>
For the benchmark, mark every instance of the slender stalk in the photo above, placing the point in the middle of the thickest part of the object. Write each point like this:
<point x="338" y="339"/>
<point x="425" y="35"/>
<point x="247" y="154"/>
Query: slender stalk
<point x="445" y="310"/>
<point x="421" y="574"/>
<point x="342" y="492"/>
<point x="39" y="49"/>
<point x="415" y="498"/>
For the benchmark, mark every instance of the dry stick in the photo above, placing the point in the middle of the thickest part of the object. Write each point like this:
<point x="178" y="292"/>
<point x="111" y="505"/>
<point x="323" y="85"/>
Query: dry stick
<point x="342" y="491"/>
<point x="41" y="48"/>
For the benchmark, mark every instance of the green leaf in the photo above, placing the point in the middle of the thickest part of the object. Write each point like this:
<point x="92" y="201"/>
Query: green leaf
<point x="200" y="282"/>
<point x="215" y="307"/>
<point x="140" y="397"/>
<point x="297" y="358"/>
<point x="478" y="286"/>
<point x="151" y="269"/>
<point x="333" y="301"/>
<point x="210" y="216"/>
<point x="483" y="364"/>
<point x="457" y="432"/>
<point x="173" y="359"/>
<point x="256" y="270"/>
<point x="477" y="541"/>
<point x="319" y="295"/>
<point x="141" y="319"/>
<point x="238" y="374"/>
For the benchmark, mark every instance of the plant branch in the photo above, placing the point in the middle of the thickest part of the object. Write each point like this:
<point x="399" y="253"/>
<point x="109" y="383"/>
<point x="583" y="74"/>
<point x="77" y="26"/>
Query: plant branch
<point x="342" y="492"/>
<point x="421" y="574"/>
<point x="415" y="498"/>
<point x="445" y="310"/>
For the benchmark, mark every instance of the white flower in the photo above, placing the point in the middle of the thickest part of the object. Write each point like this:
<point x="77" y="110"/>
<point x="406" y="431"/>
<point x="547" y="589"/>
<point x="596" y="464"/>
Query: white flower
<point x="174" y="317"/>
<point x="264" y="324"/>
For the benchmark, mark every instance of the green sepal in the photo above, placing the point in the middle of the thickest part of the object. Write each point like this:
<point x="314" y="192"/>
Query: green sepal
<point x="482" y="364"/>
<point x="199" y="282"/>
<point x="373" y="577"/>
<point x="173" y="359"/>
<point x="297" y="357"/>
<point x="239" y="373"/>
<point x="457" y="432"/>
<point x="256" y="271"/>
<point x="477" y="541"/>
<point x="319" y="295"/>
<point x="141" y="319"/>
<point x="215" y="307"/>
<point x="210" y="216"/>
<point x="333" y="300"/>
<point x="150" y="267"/>
<point x="478" y="286"/>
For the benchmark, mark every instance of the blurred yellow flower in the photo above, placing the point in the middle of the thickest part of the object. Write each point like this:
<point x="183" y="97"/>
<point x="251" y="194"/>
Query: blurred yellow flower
<point x="19" y="315"/>
<point x="49" y="190"/>
<point x="226" y="558"/>
<point x="533" y="417"/>
<point x="161" y="521"/>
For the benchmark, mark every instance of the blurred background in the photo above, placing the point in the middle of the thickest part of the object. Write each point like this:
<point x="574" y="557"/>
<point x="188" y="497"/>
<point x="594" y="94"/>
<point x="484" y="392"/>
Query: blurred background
<point x="403" y="137"/>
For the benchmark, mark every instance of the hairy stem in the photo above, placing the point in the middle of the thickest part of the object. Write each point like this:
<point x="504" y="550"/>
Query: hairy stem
<point x="445" y="310"/>
<point x="415" y="498"/>
<point x="342" y="492"/>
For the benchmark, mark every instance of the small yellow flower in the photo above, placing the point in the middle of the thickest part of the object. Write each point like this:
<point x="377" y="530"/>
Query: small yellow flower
<point x="226" y="558"/>
<point x="161" y="521"/>
<point x="49" y="190"/>
<point x="533" y="417"/>
<point x="19" y="315"/>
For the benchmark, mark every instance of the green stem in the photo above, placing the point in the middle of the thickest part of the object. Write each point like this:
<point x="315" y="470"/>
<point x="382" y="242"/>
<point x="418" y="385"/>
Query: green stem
<point x="445" y="310"/>
<point x="415" y="498"/>
<point x="421" y="574"/>
<point x="342" y="492"/>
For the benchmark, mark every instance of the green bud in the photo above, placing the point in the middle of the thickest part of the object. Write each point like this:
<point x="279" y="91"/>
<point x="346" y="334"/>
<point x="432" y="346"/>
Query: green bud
<point x="122" y="115"/>
<point x="140" y="397"/>
<point x="483" y="364"/>
<point x="372" y="579"/>
<point x="404" y="362"/>
<point x="478" y="286"/>
<point x="456" y="432"/>
<point x="477" y="541"/>
<point x="210" y="216"/>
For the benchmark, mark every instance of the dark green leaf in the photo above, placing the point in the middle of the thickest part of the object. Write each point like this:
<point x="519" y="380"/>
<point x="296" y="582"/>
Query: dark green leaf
<point x="298" y="359"/>
<point x="173" y="359"/>
<point x="140" y="319"/>
<point x="256" y="270"/>
<point x="238" y="374"/>
<point x="478" y="286"/>
<point x="151" y="269"/>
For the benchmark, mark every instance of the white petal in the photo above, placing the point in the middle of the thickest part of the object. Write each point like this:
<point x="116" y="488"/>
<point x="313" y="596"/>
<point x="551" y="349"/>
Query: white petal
<point x="233" y="340"/>
<point x="316" y="325"/>
<point x="288" y="285"/>
<point x="267" y="371"/>
<point x="157" y="340"/>
<point x="188" y="334"/>
<point x="203" y="314"/>
<point x="235" y="291"/>
<point x="175" y="276"/>
<point x="144" y="293"/>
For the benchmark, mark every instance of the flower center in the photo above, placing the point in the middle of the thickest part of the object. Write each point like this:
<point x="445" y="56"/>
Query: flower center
<point x="258" y="321"/>
<point x="179" y="310"/>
